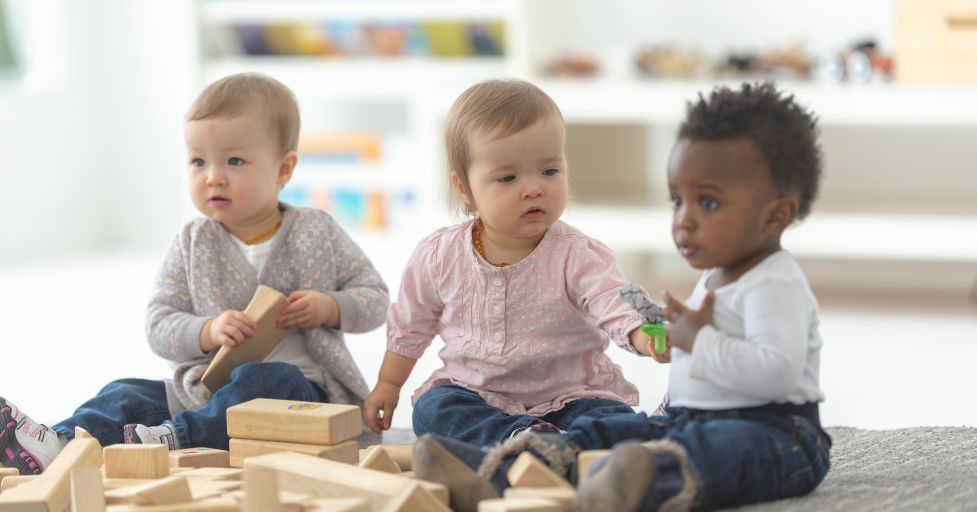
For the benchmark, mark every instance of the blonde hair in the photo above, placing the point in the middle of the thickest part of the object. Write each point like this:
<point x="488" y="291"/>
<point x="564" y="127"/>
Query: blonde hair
<point x="232" y="95"/>
<point x="501" y="106"/>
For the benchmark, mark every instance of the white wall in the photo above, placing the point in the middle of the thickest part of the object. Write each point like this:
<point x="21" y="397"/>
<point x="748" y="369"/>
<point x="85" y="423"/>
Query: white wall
<point x="90" y="135"/>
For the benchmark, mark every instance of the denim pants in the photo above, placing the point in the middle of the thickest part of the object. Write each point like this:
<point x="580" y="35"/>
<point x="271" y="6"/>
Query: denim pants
<point x="144" y="401"/>
<point x="740" y="456"/>
<point x="461" y="414"/>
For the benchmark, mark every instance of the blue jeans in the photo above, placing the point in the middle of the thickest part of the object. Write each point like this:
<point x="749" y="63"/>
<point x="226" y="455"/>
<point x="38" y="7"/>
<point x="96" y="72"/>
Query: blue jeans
<point x="144" y="401"/>
<point x="741" y="456"/>
<point x="461" y="414"/>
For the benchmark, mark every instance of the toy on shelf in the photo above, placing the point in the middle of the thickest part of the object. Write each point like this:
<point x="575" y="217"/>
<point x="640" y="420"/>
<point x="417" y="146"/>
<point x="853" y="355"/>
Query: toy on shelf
<point x="654" y="325"/>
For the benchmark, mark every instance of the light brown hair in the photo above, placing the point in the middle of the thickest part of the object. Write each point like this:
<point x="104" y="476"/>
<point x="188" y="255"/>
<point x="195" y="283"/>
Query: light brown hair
<point x="503" y="107"/>
<point x="232" y="95"/>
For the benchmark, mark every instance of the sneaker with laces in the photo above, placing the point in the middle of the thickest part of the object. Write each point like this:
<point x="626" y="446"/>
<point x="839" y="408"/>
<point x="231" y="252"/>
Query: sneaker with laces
<point x="25" y="444"/>
<point x="135" y="433"/>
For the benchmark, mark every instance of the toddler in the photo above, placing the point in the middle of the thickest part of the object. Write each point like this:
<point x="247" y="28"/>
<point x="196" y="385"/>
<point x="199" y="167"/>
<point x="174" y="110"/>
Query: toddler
<point x="743" y="425"/>
<point x="524" y="303"/>
<point x="241" y="136"/>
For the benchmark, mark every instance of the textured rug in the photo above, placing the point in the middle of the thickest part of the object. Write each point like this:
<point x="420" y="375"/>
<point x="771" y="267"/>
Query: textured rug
<point x="912" y="469"/>
<point x="918" y="469"/>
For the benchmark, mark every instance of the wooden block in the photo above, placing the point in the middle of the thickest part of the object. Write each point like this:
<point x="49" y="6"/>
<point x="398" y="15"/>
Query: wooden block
<point x="261" y="489"/>
<point x="347" y="451"/>
<point x="338" y="505"/>
<point x="375" y="457"/>
<point x="330" y="479"/>
<point x="402" y="454"/>
<point x="221" y="504"/>
<point x="137" y="461"/>
<point x="81" y="433"/>
<point x="51" y="490"/>
<point x="264" y="308"/>
<point x="213" y="473"/>
<point x="585" y="459"/>
<point x="528" y="471"/>
<point x="519" y="505"/>
<point x="164" y="491"/>
<point x="86" y="490"/>
<point x="266" y="419"/>
<point x="200" y="458"/>
<point x="8" y="472"/>
<point x="559" y="495"/>
<point x="13" y="481"/>
<point x="287" y="501"/>
<point x="413" y="498"/>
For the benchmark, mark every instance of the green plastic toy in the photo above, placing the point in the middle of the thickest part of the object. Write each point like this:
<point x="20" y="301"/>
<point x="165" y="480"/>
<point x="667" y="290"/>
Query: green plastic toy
<point x="656" y="331"/>
<point x="654" y="318"/>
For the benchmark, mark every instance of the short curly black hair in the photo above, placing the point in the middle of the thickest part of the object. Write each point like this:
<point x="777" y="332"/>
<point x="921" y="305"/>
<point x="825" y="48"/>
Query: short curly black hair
<point x="785" y="133"/>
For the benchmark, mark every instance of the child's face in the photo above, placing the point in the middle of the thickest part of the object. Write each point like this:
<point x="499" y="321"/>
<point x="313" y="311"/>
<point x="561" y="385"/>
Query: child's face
<point x="726" y="213"/>
<point x="236" y="170"/>
<point x="518" y="183"/>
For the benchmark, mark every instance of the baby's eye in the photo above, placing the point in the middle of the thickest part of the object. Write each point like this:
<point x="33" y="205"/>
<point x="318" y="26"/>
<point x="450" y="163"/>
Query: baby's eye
<point x="676" y="201"/>
<point x="708" y="203"/>
<point x="234" y="161"/>
<point x="551" y="171"/>
<point x="507" y="178"/>
<point x="197" y="162"/>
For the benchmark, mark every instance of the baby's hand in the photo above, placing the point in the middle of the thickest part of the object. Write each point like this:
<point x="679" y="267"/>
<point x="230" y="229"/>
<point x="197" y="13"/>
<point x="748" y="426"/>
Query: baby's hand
<point x="309" y="308"/>
<point x="684" y="323"/>
<point x="644" y="344"/>
<point x="231" y="328"/>
<point x="383" y="399"/>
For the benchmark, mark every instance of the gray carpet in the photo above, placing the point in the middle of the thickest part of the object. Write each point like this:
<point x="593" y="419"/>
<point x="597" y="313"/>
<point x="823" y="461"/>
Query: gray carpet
<point x="923" y="468"/>
<point x="913" y="469"/>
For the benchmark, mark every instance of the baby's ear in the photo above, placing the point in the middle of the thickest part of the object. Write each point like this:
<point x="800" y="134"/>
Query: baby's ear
<point x="459" y="186"/>
<point x="286" y="167"/>
<point x="781" y="213"/>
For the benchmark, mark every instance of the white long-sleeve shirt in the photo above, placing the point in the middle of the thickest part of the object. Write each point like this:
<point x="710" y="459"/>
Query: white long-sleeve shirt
<point x="762" y="347"/>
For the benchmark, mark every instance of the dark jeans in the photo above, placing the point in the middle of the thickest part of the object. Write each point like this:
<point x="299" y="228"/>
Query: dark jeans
<point x="458" y="413"/>
<point x="741" y="456"/>
<point x="144" y="401"/>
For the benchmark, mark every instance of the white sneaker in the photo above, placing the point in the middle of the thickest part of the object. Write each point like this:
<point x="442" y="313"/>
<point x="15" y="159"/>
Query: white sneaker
<point x="25" y="444"/>
<point x="134" y="433"/>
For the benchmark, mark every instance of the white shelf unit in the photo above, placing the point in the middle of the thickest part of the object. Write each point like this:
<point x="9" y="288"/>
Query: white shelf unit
<point x="326" y="84"/>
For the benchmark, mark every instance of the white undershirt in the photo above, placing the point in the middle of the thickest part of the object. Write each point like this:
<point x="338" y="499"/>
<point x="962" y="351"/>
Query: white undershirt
<point x="292" y="349"/>
<point x="762" y="347"/>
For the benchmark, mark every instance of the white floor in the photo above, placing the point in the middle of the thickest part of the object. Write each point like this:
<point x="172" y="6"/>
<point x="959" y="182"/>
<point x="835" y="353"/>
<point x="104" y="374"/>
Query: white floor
<point x="72" y="327"/>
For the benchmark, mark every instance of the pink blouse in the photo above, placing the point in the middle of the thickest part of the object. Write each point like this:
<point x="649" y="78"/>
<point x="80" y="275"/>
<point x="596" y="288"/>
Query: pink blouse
<point x="527" y="338"/>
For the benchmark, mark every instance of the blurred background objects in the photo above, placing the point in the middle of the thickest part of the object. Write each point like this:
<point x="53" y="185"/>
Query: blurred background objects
<point x="92" y="96"/>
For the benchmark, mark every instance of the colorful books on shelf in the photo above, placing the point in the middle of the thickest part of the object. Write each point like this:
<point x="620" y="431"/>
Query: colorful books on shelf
<point x="368" y="207"/>
<point x="441" y="39"/>
<point x="341" y="147"/>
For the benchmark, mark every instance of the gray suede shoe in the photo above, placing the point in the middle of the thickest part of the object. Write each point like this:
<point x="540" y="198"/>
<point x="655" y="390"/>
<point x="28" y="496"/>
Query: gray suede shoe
<point x="434" y="463"/>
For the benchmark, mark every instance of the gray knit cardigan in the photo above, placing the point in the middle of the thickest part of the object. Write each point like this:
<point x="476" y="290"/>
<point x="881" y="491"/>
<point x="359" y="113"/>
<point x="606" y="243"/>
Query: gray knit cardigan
<point x="204" y="274"/>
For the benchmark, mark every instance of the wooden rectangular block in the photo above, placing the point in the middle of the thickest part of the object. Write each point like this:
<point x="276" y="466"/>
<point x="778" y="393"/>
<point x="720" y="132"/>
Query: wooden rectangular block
<point x="264" y="308"/>
<point x="137" y="461"/>
<point x="220" y="504"/>
<point x="164" y="491"/>
<point x="51" y="490"/>
<point x="86" y="490"/>
<point x="519" y="505"/>
<point x="200" y="458"/>
<point x="559" y="495"/>
<point x="330" y="479"/>
<point x="338" y="505"/>
<point x="294" y="422"/>
<point x="347" y="451"/>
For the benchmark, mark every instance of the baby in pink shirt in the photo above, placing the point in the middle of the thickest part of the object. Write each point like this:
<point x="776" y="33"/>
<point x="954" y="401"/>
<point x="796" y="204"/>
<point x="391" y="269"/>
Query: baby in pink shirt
<point x="524" y="303"/>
